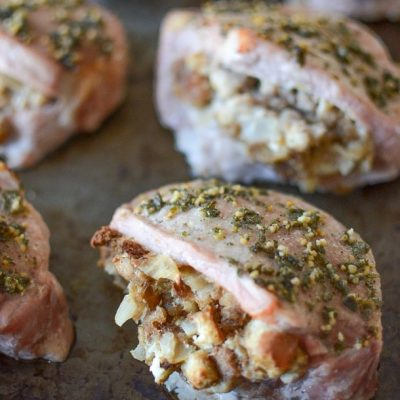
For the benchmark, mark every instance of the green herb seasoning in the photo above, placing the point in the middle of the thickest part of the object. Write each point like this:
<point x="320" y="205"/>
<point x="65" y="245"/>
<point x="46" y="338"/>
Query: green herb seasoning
<point x="359" y="249"/>
<point x="202" y="198"/>
<point x="9" y="231"/>
<point x="350" y="301"/>
<point x="245" y="217"/>
<point x="6" y="262"/>
<point x="308" y="37"/>
<point x="13" y="202"/>
<point x="219" y="233"/>
<point x="295" y="213"/>
<point x="13" y="282"/>
<point x="14" y="20"/>
<point x="13" y="231"/>
<point x="210" y="210"/>
<point x="71" y="32"/>
<point x="382" y="88"/>
<point x="68" y="38"/>
<point x="273" y="264"/>
<point x="153" y="205"/>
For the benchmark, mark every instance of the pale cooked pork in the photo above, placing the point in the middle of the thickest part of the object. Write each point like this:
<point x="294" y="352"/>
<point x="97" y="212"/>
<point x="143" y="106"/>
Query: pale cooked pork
<point x="246" y="293"/>
<point x="34" y="319"/>
<point x="62" y="71"/>
<point x="280" y="94"/>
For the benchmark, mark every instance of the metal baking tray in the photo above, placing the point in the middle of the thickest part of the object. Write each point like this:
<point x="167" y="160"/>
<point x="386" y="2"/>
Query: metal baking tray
<point x="79" y="186"/>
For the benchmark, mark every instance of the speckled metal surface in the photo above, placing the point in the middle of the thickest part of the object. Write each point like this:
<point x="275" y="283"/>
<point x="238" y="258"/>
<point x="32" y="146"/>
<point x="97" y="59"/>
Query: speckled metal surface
<point x="77" y="189"/>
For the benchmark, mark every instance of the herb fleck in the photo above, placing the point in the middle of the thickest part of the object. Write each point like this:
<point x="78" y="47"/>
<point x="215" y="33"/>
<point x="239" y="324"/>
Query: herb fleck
<point x="13" y="202"/>
<point x="13" y="282"/>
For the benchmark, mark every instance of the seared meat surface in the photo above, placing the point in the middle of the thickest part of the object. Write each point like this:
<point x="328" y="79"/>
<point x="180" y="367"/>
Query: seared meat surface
<point x="34" y="319"/>
<point x="62" y="71"/>
<point x="246" y="292"/>
<point x="279" y="93"/>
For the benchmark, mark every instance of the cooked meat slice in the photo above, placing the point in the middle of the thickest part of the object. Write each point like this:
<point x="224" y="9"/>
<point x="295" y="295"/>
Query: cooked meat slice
<point x="246" y="291"/>
<point x="369" y="10"/>
<point x="62" y="71"/>
<point x="280" y="94"/>
<point x="34" y="319"/>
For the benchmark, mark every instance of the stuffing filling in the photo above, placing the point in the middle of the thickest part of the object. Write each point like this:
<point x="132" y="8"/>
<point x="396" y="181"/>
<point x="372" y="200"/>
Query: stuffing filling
<point x="306" y="139"/>
<point x="17" y="97"/>
<point x="191" y="326"/>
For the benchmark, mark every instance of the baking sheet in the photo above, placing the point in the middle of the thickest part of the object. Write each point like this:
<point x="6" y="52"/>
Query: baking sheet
<point x="77" y="189"/>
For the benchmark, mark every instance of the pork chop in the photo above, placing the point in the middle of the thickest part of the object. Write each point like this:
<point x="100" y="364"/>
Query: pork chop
<point x="279" y="94"/>
<point x="246" y="292"/>
<point x="62" y="71"/>
<point x="34" y="320"/>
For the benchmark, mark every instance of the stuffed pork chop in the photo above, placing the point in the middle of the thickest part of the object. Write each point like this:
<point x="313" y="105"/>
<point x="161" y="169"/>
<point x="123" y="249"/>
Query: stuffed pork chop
<point x="62" y="71"/>
<point x="245" y="293"/>
<point x="280" y="94"/>
<point x="34" y="319"/>
<point x="369" y="10"/>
